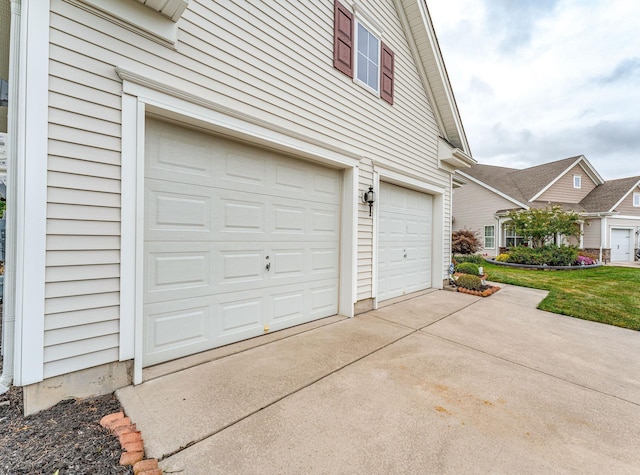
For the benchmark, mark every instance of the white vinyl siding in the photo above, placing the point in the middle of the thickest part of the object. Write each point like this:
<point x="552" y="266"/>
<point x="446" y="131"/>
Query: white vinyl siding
<point x="266" y="61"/>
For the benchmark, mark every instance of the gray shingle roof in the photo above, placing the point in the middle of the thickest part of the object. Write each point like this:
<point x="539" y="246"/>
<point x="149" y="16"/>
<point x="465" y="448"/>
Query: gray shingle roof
<point x="523" y="184"/>
<point x="604" y="197"/>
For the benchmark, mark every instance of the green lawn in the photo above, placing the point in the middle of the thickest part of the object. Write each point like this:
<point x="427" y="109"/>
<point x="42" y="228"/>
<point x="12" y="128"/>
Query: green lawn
<point x="604" y="294"/>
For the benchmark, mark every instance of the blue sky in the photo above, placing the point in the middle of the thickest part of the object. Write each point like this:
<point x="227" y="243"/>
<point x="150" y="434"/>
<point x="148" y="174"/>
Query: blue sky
<point x="541" y="80"/>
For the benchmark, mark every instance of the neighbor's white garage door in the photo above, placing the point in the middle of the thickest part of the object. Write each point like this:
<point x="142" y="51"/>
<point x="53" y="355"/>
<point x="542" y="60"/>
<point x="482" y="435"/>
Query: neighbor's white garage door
<point x="236" y="239"/>
<point x="621" y="245"/>
<point x="404" y="241"/>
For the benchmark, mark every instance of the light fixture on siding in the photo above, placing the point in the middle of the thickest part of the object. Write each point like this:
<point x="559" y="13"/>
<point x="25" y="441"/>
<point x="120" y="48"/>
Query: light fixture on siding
<point x="369" y="197"/>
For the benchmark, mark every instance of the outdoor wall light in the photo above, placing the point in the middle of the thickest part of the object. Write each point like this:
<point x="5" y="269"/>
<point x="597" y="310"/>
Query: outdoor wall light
<point x="369" y="197"/>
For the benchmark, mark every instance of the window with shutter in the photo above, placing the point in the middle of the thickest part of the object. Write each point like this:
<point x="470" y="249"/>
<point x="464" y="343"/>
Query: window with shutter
<point x="359" y="53"/>
<point x="343" y="39"/>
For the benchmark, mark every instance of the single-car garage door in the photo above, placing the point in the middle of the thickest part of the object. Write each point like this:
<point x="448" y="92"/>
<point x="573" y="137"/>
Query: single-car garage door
<point x="621" y="245"/>
<point x="404" y="241"/>
<point x="237" y="241"/>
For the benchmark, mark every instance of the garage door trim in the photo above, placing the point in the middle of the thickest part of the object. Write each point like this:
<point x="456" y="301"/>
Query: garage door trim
<point x="138" y="99"/>
<point x="397" y="177"/>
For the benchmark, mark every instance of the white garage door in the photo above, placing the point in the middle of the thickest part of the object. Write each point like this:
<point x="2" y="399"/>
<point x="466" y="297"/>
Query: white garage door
<point x="404" y="241"/>
<point x="237" y="241"/>
<point x="621" y="245"/>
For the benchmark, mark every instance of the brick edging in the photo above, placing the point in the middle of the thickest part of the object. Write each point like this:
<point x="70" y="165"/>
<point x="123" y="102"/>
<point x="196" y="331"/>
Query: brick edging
<point x="131" y="442"/>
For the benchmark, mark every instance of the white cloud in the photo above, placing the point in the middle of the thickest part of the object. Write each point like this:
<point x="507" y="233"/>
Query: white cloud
<point x="544" y="80"/>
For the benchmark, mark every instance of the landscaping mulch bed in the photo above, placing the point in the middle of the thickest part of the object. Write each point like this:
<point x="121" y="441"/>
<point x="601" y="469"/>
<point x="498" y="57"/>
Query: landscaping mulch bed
<point x="66" y="439"/>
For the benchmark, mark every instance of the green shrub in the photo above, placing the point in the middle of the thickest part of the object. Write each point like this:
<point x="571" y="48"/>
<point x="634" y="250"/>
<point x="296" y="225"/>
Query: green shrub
<point x="468" y="268"/>
<point x="503" y="258"/>
<point x="549" y="255"/>
<point x="475" y="258"/>
<point x="471" y="282"/>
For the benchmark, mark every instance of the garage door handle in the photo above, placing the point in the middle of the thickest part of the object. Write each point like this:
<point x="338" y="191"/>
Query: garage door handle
<point x="268" y="265"/>
<point x="405" y="254"/>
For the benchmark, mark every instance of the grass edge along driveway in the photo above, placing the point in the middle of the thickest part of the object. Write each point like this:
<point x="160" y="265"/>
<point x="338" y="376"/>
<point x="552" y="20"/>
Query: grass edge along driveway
<point x="605" y="294"/>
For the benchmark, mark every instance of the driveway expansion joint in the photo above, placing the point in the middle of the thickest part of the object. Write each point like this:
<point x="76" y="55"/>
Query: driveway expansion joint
<point x="277" y="400"/>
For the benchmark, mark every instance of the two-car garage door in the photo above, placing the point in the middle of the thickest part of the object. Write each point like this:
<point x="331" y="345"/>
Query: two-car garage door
<point x="237" y="241"/>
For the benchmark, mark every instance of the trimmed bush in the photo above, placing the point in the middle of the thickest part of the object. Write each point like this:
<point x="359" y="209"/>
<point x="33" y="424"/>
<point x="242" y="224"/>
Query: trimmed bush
<point x="468" y="268"/>
<point x="503" y="258"/>
<point x="549" y="255"/>
<point x="475" y="258"/>
<point x="471" y="282"/>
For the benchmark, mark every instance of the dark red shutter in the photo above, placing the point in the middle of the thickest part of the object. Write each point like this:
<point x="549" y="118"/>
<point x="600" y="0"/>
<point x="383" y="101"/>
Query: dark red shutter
<point x="343" y="39"/>
<point x="386" y="74"/>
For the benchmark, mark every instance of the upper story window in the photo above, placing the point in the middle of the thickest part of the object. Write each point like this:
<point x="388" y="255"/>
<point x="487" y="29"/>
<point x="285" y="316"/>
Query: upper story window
<point x="368" y="57"/>
<point x="577" y="181"/>
<point x="636" y="199"/>
<point x="359" y="49"/>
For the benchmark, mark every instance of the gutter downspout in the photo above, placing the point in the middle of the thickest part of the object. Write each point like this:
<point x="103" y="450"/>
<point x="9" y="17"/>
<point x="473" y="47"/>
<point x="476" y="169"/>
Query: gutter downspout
<point x="9" y="302"/>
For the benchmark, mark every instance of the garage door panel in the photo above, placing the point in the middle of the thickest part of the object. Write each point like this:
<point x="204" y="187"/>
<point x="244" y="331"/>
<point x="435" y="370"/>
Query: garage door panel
<point x="325" y="221"/>
<point x="180" y="328"/>
<point x="240" y="315"/>
<point x="171" y="271"/>
<point x="236" y="238"/>
<point x="324" y="261"/>
<point x="175" y="211"/>
<point x="302" y="304"/>
<point x="178" y="151"/>
<point x="242" y="216"/>
<point x="289" y="219"/>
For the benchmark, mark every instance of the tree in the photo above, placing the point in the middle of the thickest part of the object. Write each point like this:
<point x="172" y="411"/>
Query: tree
<point x="465" y="241"/>
<point x="541" y="225"/>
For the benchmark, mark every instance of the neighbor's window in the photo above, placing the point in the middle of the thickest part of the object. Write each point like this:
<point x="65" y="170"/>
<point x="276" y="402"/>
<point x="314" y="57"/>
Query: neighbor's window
<point x="512" y="239"/>
<point x="577" y="181"/>
<point x="368" y="57"/>
<point x="636" y="199"/>
<point x="489" y="237"/>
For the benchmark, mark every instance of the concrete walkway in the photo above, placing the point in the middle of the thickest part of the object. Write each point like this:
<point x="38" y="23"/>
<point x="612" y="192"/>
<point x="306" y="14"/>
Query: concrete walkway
<point x="441" y="383"/>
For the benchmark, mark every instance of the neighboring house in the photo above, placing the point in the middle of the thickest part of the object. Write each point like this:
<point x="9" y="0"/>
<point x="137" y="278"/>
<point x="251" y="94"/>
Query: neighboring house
<point x="190" y="173"/>
<point x="610" y="210"/>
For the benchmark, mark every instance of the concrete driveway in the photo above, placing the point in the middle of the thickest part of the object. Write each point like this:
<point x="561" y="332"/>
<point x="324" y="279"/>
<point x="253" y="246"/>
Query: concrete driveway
<point x="440" y="383"/>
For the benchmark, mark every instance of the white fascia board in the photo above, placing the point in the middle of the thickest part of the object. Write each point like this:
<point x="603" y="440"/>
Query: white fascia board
<point x="625" y="195"/>
<point x="31" y="184"/>
<point x="626" y="217"/>
<point x="493" y="190"/>
<point x="593" y="174"/>
<point x="578" y="160"/>
<point x="433" y="56"/>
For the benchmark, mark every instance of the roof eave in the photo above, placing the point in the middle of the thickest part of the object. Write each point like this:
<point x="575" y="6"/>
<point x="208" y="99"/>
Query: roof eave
<point x="416" y="21"/>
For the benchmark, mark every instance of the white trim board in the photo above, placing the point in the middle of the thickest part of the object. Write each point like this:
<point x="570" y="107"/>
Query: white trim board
<point x="140" y="100"/>
<point x="31" y="185"/>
